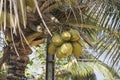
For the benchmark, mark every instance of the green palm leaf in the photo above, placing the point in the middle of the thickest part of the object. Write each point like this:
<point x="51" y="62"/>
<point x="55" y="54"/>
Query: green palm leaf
<point x="81" y="71"/>
<point x="105" y="14"/>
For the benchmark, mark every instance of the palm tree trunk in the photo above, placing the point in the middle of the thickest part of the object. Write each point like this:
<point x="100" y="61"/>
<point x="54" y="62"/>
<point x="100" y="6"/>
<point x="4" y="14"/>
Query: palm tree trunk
<point x="16" y="64"/>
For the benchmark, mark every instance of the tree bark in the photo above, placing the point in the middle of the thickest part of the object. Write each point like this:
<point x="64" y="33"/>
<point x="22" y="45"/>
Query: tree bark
<point x="16" y="64"/>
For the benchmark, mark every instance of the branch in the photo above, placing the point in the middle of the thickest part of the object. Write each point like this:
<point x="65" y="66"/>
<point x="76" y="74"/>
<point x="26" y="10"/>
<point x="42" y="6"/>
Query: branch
<point x="86" y="39"/>
<point x="40" y="14"/>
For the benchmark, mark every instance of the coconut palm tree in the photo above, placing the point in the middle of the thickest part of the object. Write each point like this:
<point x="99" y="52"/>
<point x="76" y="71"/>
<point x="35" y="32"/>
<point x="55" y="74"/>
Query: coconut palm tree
<point x="26" y="23"/>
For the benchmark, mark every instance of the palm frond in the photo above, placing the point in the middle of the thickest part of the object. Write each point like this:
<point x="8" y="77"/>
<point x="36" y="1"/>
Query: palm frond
<point x="40" y="14"/>
<point x="84" y="69"/>
<point x="106" y="14"/>
<point x="76" y="70"/>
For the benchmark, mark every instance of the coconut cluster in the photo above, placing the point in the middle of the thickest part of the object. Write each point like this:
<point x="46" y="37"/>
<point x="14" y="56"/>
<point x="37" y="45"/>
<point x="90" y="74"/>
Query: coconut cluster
<point x="65" y="44"/>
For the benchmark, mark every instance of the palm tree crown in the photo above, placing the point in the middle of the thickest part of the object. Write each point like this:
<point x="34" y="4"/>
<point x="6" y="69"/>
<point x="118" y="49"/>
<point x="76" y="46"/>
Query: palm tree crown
<point x="28" y="22"/>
